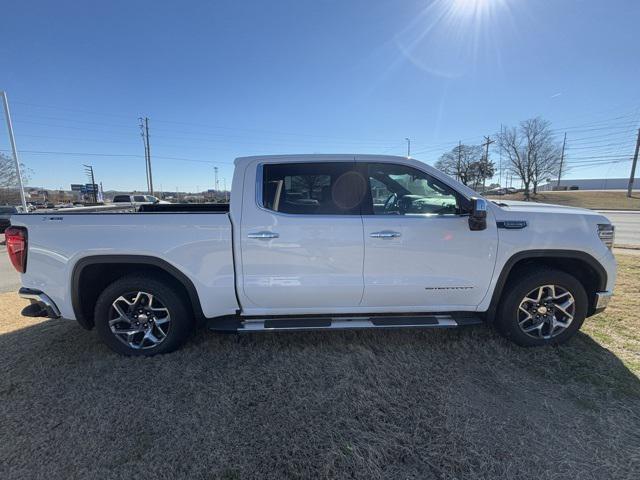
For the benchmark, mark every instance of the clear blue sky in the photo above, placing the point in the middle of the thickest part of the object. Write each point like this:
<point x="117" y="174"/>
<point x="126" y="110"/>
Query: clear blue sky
<point x="221" y="79"/>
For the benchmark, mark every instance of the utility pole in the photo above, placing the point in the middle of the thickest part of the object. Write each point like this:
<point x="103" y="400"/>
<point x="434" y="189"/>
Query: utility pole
<point x="459" y="160"/>
<point x="216" y="184"/>
<point x="500" y="164"/>
<point x="88" y="169"/>
<point x="12" y="140"/>
<point x="487" y="142"/>
<point x="144" y="142"/>
<point x="146" y="128"/>
<point x="144" y="133"/>
<point x="633" y="166"/>
<point x="226" y="198"/>
<point x="408" y="147"/>
<point x="564" y="142"/>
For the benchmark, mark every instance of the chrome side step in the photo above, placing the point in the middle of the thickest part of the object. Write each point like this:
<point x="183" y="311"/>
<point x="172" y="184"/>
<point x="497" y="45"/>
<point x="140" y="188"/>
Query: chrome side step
<point x="246" y="325"/>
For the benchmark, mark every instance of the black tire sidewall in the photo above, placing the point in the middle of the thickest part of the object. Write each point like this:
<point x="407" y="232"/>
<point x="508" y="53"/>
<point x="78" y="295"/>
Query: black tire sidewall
<point x="525" y="282"/>
<point x="181" y="319"/>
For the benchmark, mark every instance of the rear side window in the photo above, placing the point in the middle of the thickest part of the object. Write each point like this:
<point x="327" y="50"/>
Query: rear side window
<point x="121" y="198"/>
<point x="8" y="210"/>
<point x="323" y="188"/>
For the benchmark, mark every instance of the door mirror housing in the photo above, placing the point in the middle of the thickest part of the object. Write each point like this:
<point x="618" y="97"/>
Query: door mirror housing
<point x="478" y="217"/>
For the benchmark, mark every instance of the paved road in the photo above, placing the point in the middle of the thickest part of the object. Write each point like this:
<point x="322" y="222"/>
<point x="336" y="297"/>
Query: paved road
<point x="627" y="226"/>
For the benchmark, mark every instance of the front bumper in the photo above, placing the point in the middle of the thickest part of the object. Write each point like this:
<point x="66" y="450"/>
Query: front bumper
<point x="41" y="305"/>
<point x="601" y="301"/>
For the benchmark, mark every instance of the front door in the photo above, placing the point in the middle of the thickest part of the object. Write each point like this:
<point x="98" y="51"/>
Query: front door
<point x="301" y="238"/>
<point x="419" y="250"/>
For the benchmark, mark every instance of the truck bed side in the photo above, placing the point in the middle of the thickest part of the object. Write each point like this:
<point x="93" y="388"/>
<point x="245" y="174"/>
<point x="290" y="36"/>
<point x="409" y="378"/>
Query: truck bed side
<point x="197" y="245"/>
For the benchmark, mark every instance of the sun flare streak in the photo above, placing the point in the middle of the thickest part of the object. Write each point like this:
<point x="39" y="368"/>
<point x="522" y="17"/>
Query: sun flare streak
<point x="448" y="37"/>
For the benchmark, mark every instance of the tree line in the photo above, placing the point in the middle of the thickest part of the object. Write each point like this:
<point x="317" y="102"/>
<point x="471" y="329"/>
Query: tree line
<point x="532" y="153"/>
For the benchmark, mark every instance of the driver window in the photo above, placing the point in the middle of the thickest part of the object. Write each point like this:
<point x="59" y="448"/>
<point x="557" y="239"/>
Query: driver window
<point x="403" y="190"/>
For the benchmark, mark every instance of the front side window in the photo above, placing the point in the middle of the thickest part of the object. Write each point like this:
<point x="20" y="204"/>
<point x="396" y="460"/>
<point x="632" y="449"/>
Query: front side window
<point x="139" y="198"/>
<point x="403" y="190"/>
<point x="323" y="188"/>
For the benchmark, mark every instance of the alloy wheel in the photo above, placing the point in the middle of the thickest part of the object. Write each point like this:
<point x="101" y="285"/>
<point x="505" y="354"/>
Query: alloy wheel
<point x="139" y="320"/>
<point x="546" y="311"/>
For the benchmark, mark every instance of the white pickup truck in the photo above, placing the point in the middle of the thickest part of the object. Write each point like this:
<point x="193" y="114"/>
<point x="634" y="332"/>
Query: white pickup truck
<point x="313" y="242"/>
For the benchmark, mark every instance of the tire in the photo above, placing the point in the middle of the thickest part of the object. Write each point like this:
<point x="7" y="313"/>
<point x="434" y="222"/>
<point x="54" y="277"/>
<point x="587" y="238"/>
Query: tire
<point x="541" y="318"/>
<point x="149" y="305"/>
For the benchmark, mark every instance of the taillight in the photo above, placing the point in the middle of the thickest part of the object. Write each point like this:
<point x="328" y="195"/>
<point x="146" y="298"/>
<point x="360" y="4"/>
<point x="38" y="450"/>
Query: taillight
<point x="16" y="239"/>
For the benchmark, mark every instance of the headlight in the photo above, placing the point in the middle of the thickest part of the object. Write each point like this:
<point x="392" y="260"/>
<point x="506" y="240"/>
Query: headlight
<point x="606" y="232"/>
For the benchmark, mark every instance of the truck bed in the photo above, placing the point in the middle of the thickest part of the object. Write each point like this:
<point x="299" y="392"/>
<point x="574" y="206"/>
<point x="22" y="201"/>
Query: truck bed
<point x="186" y="208"/>
<point x="197" y="244"/>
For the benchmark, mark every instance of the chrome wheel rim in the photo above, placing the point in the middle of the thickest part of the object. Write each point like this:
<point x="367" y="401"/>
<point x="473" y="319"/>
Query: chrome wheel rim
<point x="546" y="311"/>
<point x="139" y="320"/>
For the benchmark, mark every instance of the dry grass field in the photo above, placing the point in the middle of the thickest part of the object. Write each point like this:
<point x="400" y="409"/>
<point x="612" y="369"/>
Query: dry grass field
<point x="364" y="405"/>
<point x="596" y="200"/>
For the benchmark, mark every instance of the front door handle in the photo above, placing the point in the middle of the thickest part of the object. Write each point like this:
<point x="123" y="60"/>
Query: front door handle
<point x="263" y="235"/>
<point x="385" y="234"/>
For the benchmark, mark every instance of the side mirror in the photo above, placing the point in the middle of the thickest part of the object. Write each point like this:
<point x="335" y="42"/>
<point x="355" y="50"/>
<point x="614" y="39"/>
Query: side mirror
<point x="478" y="217"/>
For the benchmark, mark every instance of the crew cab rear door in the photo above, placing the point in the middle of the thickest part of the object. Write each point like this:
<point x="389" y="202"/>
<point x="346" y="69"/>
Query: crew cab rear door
<point x="419" y="250"/>
<point x="301" y="239"/>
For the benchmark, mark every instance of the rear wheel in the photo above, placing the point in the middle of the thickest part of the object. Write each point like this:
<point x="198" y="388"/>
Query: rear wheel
<point x="542" y="306"/>
<point x="138" y="315"/>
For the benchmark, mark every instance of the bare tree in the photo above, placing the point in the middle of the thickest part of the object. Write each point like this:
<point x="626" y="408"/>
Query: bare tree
<point x="481" y="171"/>
<point x="9" y="191"/>
<point x="461" y="162"/>
<point x="532" y="152"/>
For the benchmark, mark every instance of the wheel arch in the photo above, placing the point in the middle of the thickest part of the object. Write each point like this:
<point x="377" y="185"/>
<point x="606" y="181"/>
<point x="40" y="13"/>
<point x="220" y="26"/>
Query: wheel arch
<point x="92" y="274"/>
<point x="585" y="268"/>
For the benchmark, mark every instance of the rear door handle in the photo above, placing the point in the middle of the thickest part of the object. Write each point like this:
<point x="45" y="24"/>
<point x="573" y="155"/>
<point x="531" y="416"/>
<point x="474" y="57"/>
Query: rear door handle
<point x="263" y="235"/>
<point x="385" y="234"/>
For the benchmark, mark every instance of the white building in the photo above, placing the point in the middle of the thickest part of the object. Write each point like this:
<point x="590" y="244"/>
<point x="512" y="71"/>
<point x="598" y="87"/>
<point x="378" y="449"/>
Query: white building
<point x="591" y="184"/>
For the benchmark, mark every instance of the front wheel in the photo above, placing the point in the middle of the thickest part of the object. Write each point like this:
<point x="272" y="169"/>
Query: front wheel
<point x="138" y="315"/>
<point x="542" y="306"/>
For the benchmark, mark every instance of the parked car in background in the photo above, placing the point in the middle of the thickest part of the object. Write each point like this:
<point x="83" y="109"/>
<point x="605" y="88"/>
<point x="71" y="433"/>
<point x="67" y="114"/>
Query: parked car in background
<point x="501" y="191"/>
<point x="138" y="199"/>
<point x="5" y="216"/>
<point x="313" y="242"/>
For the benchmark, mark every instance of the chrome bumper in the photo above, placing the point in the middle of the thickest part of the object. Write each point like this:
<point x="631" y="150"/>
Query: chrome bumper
<point x="602" y="301"/>
<point x="41" y="304"/>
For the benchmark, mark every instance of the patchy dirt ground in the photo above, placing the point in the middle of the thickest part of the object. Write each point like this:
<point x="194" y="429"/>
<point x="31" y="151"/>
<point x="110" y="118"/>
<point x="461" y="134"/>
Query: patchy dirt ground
<point x="365" y="405"/>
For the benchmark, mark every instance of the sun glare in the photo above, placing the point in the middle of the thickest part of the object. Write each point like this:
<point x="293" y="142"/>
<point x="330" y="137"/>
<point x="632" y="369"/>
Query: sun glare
<point x="470" y="7"/>
<point x="449" y="37"/>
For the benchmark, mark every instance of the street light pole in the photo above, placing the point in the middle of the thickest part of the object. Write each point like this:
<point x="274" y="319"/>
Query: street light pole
<point x="12" y="139"/>
<point x="408" y="147"/>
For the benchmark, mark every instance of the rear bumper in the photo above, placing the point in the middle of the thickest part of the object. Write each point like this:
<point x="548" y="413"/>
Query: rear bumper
<point x="41" y="305"/>
<point x="601" y="301"/>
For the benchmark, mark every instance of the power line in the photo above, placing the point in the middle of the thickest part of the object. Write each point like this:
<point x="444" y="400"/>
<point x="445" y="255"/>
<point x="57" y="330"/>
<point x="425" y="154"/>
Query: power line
<point x="94" y="154"/>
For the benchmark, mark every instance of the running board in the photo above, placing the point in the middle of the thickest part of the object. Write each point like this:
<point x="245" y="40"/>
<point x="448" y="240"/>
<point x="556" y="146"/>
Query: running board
<point x="245" y="325"/>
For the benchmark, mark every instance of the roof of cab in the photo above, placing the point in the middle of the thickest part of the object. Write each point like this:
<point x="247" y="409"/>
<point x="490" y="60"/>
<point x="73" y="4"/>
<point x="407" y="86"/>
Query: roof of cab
<point x="314" y="157"/>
